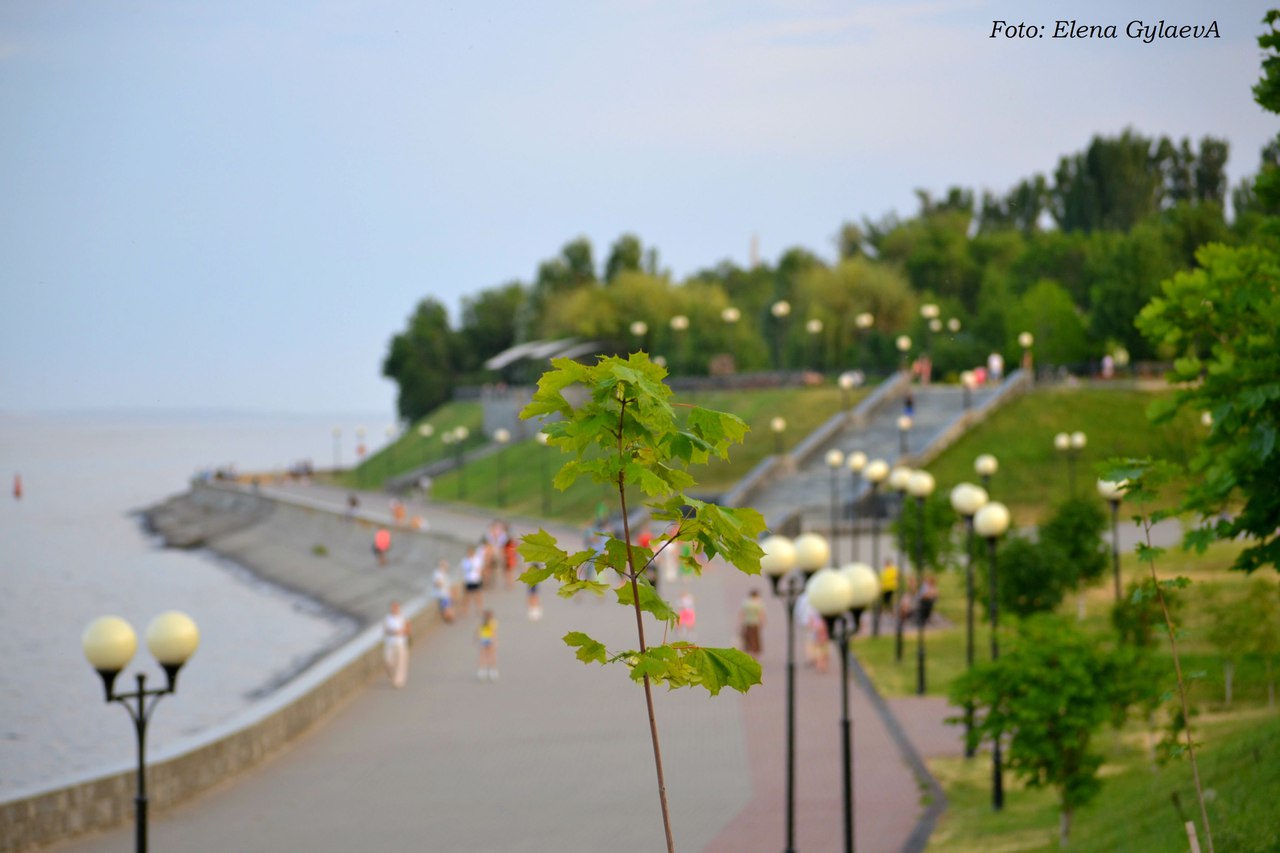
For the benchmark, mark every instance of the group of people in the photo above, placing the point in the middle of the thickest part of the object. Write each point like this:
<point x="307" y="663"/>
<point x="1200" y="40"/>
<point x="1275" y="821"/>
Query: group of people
<point x="493" y="556"/>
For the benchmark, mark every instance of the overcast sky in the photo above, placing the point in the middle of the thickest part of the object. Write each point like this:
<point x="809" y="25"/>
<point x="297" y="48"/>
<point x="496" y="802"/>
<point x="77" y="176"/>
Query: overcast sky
<point x="236" y="204"/>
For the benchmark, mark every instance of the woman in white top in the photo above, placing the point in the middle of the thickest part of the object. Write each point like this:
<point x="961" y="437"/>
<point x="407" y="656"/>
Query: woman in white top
<point x="395" y="645"/>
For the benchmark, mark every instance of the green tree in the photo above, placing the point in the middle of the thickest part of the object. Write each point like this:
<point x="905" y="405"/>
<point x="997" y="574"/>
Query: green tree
<point x="1137" y="616"/>
<point x="1047" y="696"/>
<point x="1112" y="185"/>
<point x="1220" y="323"/>
<point x="1047" y="312"/>
<point x="1076" y="531"/>
<point x="488" y="324"/>
<point x="626" y="434"/>
<point x="420" y="361"/>
<point x="1031" y="577"/>
<point x="626" y="255"/>
<point x="938" y="520"/>
<point x="1267" y="93"/>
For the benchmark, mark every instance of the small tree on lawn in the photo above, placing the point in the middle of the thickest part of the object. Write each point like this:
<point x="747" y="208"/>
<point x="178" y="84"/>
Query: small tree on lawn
<point x="1047" y="696"/>
<point x="626" y="433"/>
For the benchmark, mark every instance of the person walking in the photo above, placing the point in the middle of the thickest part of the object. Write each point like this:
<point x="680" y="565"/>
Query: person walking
<point x="487" y="636"/>
<point x="686" y="618"/>
<point x="472" y="567"/>
<point x="750" y="621"/>
<point x="442" y="589"/>
<point x="395" y="645"/>
<point x="928" y="597"/>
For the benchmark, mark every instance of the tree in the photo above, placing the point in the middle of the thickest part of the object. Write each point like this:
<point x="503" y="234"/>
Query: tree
<point x="1112" y="185"/>
<point x="938" y="518"/>
<point x="1076" y="531"/>
<point x="420" y="361"/>
<point x="1047" y="696"/>
<point x="1220" y="322"/>
<point x="1047" y="312"/>
<point x="488" y="323"/>
<point x="626" y="255"/>
<point x="625" y="434"/>
<point x="1267" y="93"/>
<point x="1031" y="577"/>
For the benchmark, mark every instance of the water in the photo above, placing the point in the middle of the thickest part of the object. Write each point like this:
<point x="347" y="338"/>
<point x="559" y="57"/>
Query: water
<point x="71" y="550"/>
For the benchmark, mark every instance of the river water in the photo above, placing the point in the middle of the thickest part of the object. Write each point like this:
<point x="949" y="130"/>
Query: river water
<point x="71" y="550"/>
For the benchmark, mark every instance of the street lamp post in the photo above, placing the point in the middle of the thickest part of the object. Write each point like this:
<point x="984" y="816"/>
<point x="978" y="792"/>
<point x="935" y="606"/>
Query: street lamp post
<point x="967" y="383"/>
<point x="359" y="444"/>
<point x="876" y="472"/>
<point x="929" y="313"/>
<point x="779" y="563"/>
<point x="502" y="436"/>
<point x="542" y="439"/>
<point x="426" y="431"/>
<point x="640" y="328"/>
<point x="1113" y="492"/>
<point x="904" y="429"/>
<point x="920" y="486"/>
<point x="990" y="523"/>
<point x="903" y="343"/>
<point x="857" y="461"/>
<point x="899" y="477"/>
<point x="1070" y="444"/>
<point x="1025" y="340"/>
<point x="835" y="461"/>
<point x="780" y="310"/>
<point x="966" y="500"/>
<point x="846" y="382"/>
<point x="680" y="325"/>
<point x="814" y="328"/>
<point x="778" y="426"/>
<point x="337" y="448"/>
<point x="986" y="466"/>
<point x="460" y="434"/>
<point x="840" y="596"/>
<point x="109" y="644"/>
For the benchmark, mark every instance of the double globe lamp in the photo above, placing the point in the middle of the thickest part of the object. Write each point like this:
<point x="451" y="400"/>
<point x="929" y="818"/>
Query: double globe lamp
<point x="109" y="644"/>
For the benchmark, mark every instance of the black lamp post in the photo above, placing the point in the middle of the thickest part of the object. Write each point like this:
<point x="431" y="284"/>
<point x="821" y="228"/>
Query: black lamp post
<point x="780" y="311"/>
<point x="920" y="486"/>
<point x="778" y="426"/>
<point x="899" y="477"/>
<point x="857" y="461"/>
<point x="502" y="436"/>
<point x="990" y="523"/>
<point x="967" y="383"/>
<point x="835" y="461"/>
<point x="966" y="500"/>
<point x="876" y="472"/>
<point x="841" y="596"/>
<point x="904" y="429"/>
<point x="542" y="439"/>
<point x="109" y="643"/>
<point x="1113" y="493"/>
<point x="788" y="566"/>
<point x="985" y="466"/>
<point x="337" y="448"/>
<point x="459" y="439"/>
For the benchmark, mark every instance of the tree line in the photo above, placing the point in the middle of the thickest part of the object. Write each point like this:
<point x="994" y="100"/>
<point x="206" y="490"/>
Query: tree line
<point x="1071" y="257"/>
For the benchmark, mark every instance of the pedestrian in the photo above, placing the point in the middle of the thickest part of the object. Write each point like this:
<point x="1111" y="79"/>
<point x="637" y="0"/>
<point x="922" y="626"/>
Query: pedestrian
<point x="442" y="588"/>
<point x="819" y="648"/>
<point x="395" y="645"/>
<point x="487" y="636"/>
<point x="381" y="545"/>
<point x="888" y="584"/>
<point x="686" y="618"/>
<point x="534" y="603"/>
<point x="510" y="558"/>
<point x="750" y="621"/>
<point x="909" y="405"/>
<point x="928" y="597"/>
<point x="907" y="602"/>
<point x="472" y="567"/>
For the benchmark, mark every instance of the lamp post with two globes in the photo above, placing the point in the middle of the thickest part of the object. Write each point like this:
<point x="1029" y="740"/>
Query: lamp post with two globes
<point x="109" y="644"/>
<point x="966" y="500"/>
<point x="835" y="462"/>
<point x="990" y="523"/>
<point x="899" y="477"/>
<point x="857" y="461"/>
<point x="904" y="430"/>
<point x="920" y="486"/>
<point x="542" y="439"/>
<point x="777" y="426"/>
<point x="876" y="472"/>
<point x="1113" y="492"/>
<point x="1071" y="444"/>
<point x="841" y="596"/>
<point x="780" y="311"/>
<point x="788" y="565"/>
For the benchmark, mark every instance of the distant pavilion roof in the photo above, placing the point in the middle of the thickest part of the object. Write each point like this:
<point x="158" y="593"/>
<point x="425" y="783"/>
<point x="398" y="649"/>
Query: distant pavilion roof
<point x="542" y="351"/>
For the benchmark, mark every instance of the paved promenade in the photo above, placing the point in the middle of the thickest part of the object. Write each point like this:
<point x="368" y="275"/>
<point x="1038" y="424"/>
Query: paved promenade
<point x="555" y="755"/>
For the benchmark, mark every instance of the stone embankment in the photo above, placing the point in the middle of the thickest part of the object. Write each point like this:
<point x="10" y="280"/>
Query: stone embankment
<point x="303" y="546"/>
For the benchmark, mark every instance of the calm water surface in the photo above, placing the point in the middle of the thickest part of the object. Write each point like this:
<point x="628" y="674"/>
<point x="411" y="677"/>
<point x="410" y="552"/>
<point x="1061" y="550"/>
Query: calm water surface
<point x="71" y="550"/>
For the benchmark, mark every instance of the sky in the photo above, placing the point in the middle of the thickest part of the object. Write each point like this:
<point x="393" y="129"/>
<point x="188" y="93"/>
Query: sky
<point x="235" y="205"/>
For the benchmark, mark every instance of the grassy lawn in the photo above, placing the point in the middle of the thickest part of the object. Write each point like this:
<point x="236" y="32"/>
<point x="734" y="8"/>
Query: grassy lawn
<point x="1033" y="476"/>
<point x="1136" y="810"/>
<point x="525" y="467"/>
<point x="411" y="450"/>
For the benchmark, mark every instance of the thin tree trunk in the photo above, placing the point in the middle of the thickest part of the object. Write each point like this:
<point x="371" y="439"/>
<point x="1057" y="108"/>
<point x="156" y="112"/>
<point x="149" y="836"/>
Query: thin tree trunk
<point x="1064" y="827"/>
<point x="648" y="687"/>
<point x="1182" y="688"/>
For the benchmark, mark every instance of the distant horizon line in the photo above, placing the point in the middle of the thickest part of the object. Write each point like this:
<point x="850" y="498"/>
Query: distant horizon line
<point x="192" y="412"/>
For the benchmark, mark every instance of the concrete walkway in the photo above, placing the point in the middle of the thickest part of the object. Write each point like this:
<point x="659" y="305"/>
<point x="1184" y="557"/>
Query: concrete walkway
<point x="555" y="755"/>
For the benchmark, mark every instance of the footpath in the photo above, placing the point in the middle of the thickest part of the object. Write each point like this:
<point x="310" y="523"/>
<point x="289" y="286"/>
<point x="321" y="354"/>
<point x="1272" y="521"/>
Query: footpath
<point x="555" y="754"/>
